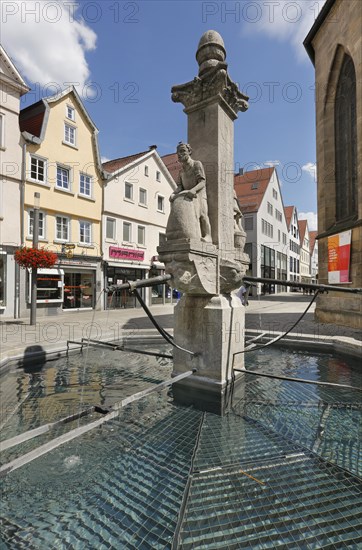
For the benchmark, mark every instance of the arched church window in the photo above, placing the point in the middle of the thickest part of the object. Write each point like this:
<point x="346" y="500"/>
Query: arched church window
<point x="346" y="141"/>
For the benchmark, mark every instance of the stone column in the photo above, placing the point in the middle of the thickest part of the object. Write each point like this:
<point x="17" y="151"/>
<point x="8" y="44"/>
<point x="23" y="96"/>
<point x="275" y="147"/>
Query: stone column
<point x="208" y="319"/>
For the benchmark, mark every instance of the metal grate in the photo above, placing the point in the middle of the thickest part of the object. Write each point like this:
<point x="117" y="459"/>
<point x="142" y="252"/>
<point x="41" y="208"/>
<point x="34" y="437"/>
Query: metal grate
<point x="280" y="470"/>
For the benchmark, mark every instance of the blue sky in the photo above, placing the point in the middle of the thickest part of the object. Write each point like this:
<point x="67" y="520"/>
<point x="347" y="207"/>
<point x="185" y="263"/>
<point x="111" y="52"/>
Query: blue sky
<point x="125" y="56"/>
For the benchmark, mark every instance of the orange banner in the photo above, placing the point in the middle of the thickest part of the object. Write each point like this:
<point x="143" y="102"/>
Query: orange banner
<point x="339" y="254"/>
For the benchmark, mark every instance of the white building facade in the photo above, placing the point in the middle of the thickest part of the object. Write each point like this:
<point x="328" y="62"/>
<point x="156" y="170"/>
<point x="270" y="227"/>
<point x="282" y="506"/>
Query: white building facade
<point x="135" y="214"/>
<point x="291" y="215"/>
<point x="305" y="264"/>
<point x="313" y="256"/>
<point x="12" y="87"/>
<point x="267" y="243"/>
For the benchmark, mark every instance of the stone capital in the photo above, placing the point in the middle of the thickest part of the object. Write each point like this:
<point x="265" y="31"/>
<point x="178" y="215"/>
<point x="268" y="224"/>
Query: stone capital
<point x="213" y="85"/>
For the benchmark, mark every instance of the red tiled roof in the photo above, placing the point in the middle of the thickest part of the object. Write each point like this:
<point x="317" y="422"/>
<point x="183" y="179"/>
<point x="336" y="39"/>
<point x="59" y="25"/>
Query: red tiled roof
<point x="288" y="210"/>
<point x="250" y="188"/>
<point x="302" y="224"/>
<point x="31" y="118"/>
<point x="117" y="164"/>
<point x="172" y="164"/>
<point x="312" y="239"/>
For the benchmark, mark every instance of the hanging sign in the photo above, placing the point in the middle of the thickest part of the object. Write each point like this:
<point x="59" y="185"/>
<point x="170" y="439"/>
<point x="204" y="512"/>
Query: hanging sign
<point x="339" y="254"/>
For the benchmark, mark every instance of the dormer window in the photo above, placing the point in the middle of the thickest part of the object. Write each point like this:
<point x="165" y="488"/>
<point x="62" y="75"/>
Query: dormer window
<point x="70" y="112"/>
<point x="255" y="185"/>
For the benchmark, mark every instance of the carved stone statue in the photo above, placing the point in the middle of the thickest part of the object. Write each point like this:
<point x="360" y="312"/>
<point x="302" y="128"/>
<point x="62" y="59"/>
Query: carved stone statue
<point x="189" y="217"/>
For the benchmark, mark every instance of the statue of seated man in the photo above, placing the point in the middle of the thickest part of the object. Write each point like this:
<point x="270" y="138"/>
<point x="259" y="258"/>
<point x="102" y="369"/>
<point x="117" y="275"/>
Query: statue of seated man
<point x="191" y="186"/>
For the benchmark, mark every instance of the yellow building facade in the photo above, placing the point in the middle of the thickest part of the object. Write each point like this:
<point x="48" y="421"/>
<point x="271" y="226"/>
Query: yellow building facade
<point x="63" y="166"/>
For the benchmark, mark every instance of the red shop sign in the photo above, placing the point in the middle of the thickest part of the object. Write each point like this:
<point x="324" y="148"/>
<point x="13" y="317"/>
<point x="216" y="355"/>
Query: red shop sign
<point x="126" y="253"/>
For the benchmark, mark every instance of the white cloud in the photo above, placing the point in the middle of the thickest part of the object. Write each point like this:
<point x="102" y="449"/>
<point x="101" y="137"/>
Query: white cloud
<point x="285" y="21"/>
<point x="272" y="163"/>
<point x="312" y="219"/>
<point x="311" y="169"/>
<point x="47" y="42"/>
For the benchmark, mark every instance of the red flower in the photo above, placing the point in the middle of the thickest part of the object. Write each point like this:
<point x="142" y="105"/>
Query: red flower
<point x="35" y="257"/>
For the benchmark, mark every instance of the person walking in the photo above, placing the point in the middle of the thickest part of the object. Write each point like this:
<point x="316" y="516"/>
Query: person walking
<point x="242" y="294"/>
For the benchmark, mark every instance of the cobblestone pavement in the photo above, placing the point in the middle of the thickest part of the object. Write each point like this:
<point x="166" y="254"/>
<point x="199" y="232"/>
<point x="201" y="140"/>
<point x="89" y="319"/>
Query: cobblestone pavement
<point x="268" y="313"/>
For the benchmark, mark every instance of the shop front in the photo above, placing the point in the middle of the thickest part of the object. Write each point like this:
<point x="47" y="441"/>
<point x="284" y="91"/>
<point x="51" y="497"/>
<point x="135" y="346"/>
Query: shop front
<point x="267" y="269"/>
<point x="72" y="285"/>
<point x="161" y="294"/>
<point x="124" y="265"/>
<point x="79" y="289"/>
<point x="9" y="283"/>
<point x="82" y="284"/>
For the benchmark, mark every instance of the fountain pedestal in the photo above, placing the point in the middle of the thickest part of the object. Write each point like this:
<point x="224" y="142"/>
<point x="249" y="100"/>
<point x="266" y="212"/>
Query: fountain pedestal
<point x="213" y="327"/>
<point x="204" y="249"/>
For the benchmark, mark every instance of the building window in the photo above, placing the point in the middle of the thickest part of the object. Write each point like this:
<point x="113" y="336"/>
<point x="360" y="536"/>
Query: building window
<point x="143" y="197"/>
<point x="346" y="141"/>
<point x="284" y="238"/>
<point x="110" y="228"/>
<point x="249" y="223"/>
<point x="158" y="176"/>
<point x="2" y="280"/>
<point x="128" y="191"/>
<point x="275" y="194"/>
<point x="2" y="131"/>
<point x="37" y="169"/>
<point x="266" y="228"/>
<point x="278" y="215"/>
<point x="85" y="185"/>
<point x="41" y="224"/>
<point x="70" y="112"/>
<point x="270" y="208"/>
<point x="69" y="134"/>
<point x="62" y="228"/>
<point x="141" y="235"/>
<point x="63" y="179"/>
<point x="146" y="170"/>
<point x="85" y="232"/>
<point x="127" y="232"/>
<point x="278" y="235"/>
<point x="267" y="268"/>
<point x="255" y="185"/>
<point x="160" y="203"/>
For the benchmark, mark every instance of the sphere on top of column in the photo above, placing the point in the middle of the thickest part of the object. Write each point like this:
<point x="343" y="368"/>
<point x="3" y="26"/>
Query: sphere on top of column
<point x="210" y="52"/>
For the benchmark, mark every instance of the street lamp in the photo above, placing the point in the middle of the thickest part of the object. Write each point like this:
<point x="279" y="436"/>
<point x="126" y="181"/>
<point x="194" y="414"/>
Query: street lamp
<point x="34" y="271"/>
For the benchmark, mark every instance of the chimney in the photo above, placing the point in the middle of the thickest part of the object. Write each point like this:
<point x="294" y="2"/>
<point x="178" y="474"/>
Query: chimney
<point x="240" y="173"/>
<point x="151" y="147"/>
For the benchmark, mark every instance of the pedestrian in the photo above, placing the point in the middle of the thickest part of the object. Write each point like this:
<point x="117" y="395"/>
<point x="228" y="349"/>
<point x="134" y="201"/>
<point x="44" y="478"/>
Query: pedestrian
<point x="242" y="295"/>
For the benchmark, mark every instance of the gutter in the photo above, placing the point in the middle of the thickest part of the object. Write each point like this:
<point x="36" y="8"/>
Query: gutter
<point x="307" y="43"/>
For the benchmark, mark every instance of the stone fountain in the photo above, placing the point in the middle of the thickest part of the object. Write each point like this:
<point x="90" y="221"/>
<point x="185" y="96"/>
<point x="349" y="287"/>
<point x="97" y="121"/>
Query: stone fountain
<point x="204" y="249"/>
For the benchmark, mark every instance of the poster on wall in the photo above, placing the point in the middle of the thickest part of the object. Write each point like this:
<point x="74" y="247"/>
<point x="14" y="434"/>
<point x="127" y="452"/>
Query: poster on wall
<point x="339" y="254"/>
